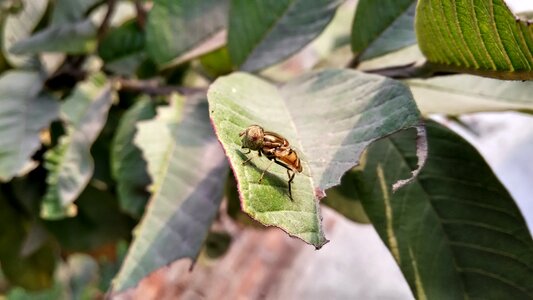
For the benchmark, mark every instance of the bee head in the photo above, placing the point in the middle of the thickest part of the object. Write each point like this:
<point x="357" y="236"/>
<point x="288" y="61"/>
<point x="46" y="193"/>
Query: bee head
<point x="252" y="137"/>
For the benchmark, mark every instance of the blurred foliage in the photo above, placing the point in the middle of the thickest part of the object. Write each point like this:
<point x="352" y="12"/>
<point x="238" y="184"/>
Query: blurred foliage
<point x="111" y="163"/>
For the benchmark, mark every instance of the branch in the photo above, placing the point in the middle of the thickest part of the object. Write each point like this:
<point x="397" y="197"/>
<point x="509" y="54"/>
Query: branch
<point x="102" y="30"/>
<point x="154" y="88"/>
<point x="141" y="14"/>
<point x="412" y="70"/>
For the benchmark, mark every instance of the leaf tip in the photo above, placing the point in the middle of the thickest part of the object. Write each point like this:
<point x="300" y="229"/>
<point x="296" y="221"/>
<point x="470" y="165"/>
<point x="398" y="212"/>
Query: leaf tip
<point x="319" y="193"/>
<point x="321" y="244"/>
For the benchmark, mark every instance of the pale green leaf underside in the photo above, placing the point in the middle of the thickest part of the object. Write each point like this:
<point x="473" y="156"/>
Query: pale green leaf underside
<point x="188" y="168"/>
<point x="70" y="164"/>
<point x="262" y="33"/>
<point x="329" y="117"/>
<point x="70" y="38"/>
<point x="176" y="27"/>
<point x="19" y="26"/>
<point x="461" y="94"/>
<point x="479" y="36"/>
<point x="455" y="232"/>
<point x="23" y="115"/>
<point x="70" y="11"/>
<point x="383" y="26"/>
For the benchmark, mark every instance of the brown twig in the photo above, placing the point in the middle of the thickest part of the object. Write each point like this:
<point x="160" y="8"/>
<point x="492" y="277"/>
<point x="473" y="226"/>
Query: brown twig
<point x="154" y="88"/>
<point x="411" y="70"/>
<point x="141" y="14"/>
<point x="102" y="30"/>
<point x="70" y="73"/>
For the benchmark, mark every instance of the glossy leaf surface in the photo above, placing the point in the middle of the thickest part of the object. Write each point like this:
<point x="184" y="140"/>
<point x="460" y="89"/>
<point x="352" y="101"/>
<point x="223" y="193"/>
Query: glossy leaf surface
<point x="455" y="232"/>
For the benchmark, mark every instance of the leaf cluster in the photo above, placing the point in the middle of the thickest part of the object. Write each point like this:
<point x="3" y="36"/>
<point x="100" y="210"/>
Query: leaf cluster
<point x="120" y="122"/>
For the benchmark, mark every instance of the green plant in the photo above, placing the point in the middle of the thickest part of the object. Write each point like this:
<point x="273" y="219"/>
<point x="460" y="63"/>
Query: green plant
<point x="109" y="105"/>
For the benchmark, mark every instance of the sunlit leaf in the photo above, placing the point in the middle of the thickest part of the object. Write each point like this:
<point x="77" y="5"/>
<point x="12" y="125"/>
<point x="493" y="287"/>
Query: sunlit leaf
<point x="480" y="37"/>
<point x="329" y="118"/>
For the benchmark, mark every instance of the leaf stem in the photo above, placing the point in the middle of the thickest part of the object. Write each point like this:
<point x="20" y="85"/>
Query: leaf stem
<point x="154" y="88"/>
<point x="102" y="30"/>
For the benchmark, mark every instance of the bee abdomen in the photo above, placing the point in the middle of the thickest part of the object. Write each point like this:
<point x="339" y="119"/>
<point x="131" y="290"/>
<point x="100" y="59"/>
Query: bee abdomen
<point x="290" y="158"/>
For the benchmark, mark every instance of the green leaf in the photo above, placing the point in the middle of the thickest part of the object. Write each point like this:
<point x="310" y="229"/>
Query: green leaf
<point x="70" y="38"/>
<point x="188" y="171"/>
<point x="455" y="232"/>
<point x="383" y="26"/>
<point x="129" y="167"/>
<point x="329" y="117"/>
<point x="71" y="11"/>
<point x="345" y="200"/>
<point x="461" y="94"/>
<point x="217" y="63"/>
<point x="332" y="46"/>
<point x="70" y="164"/>
<point x="19" y="26"/>
<point x="480" y="37"/>
<point x="176" y="27"/>
<point x="233" y="203"/>
<point x="33" y="271"/>
<point x="122" y="49"/>
<point x="265" y="32"/>
<point x="24" y="114"/>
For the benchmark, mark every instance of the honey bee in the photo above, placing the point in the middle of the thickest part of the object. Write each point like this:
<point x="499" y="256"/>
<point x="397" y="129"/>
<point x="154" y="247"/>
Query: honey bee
<point x="275" y="147"/>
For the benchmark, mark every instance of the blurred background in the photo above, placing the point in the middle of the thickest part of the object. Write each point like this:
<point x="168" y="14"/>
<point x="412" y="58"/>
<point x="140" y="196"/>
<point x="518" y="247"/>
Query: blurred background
<point x="267" y="264"/>
<point x="264" y="263"/>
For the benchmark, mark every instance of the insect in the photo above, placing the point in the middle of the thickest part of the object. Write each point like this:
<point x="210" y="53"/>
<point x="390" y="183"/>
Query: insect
<point x="275" y="147"/>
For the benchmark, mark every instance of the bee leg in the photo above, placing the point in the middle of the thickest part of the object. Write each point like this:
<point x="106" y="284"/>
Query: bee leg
<point x="250" y="158"/>
<point x="264" y="171"/>
<point x="246" y="161"/>
<point x="291" y="177"/>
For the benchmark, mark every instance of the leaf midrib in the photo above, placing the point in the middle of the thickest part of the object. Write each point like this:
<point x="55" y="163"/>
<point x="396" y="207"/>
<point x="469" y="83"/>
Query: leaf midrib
<point x="450" y="243"/>
<point x="441" y="225"/>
